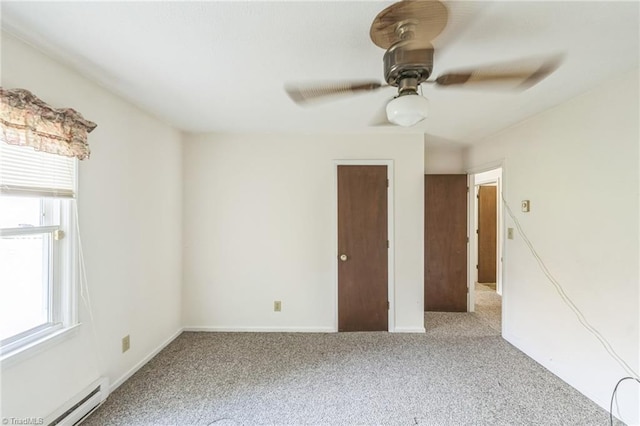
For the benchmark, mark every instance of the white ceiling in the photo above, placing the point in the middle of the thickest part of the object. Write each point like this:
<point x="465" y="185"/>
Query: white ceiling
<point x="221" y="66"/>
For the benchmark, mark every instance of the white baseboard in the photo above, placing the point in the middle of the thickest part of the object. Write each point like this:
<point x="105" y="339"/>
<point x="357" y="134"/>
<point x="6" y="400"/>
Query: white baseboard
<point x="288" y="329"/>
<point x="409" y="330"/>
<point x="145" y="360"/>
<point x="261" y="329"/>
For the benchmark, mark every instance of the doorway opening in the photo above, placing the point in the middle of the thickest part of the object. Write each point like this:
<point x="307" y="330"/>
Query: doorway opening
<point x="486" y="247"/>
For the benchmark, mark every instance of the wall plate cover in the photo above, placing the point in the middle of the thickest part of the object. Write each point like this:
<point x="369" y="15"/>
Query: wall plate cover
<point x="525" y="205"/>
<point x="126" y="343"/>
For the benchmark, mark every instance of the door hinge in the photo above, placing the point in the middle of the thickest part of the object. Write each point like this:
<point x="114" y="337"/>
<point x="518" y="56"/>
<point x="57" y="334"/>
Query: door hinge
<point x="387" y="243"/>
<point x="467" y="189"/>
<point x="58" y="234"/>
<point x="387" y="183"/>
<point x="476" y="266"/>
<point x="388" y="305"/>
<point x="467" y="239"/>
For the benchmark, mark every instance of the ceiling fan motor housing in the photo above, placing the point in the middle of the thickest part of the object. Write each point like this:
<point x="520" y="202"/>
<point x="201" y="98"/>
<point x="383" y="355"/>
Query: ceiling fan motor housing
<point x="404" y="60"/>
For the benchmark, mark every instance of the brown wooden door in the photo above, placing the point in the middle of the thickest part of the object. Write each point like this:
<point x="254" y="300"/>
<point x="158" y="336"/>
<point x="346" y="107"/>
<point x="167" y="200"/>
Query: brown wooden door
<point x="487" y="227"/>
<point x="362" y="238"/>
<point x="445" y="243"/>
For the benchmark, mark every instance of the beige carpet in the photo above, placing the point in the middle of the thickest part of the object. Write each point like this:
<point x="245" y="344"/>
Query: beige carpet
<point x="492" y="286"/>
<point x="488" y="306"/>
<point x="460" y="372"/>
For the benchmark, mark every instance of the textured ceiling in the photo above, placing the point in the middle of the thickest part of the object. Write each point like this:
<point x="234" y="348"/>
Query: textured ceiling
<point x="221" y="66"/>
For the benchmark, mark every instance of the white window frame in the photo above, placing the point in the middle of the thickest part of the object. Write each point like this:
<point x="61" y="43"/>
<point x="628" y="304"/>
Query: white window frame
<point x="64" y="273"/>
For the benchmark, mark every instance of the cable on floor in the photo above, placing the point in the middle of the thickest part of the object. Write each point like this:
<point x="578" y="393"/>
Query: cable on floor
<point x="613" y="395"/>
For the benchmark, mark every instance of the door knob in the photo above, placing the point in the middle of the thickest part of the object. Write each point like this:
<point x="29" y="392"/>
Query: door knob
<point x="343" y="257"/>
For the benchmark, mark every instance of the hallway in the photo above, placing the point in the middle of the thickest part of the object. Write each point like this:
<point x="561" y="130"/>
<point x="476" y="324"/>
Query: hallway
<point x="488" y="305"/>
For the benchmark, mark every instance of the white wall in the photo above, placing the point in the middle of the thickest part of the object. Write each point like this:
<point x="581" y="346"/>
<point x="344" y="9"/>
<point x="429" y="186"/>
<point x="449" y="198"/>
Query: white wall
<point x="443" y="156"/>
<point x="578" y="164"/>
<point x="259" y="226"/>
<point x="443" y="159"/>
<point x="130" y="201"/>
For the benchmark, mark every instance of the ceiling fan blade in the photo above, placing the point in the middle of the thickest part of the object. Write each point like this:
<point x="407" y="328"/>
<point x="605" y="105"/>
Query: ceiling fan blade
<point x="517" y="75"/>
<point x="302" y="94"/>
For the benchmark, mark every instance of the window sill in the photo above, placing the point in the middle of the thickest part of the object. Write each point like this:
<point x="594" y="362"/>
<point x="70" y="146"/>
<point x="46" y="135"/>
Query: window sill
<point x="27" y="351"/>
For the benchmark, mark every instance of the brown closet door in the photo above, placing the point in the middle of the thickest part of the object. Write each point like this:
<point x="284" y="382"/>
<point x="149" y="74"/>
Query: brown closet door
<point x="362" y="248"/>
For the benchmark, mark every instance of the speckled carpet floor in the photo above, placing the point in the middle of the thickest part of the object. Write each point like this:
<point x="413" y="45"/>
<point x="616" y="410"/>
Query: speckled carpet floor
<point x="461" y="372"/>
<point x="489" y="306"/>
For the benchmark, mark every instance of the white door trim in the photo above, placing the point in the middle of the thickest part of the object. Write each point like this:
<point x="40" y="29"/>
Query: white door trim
<point x="390" y="234"/>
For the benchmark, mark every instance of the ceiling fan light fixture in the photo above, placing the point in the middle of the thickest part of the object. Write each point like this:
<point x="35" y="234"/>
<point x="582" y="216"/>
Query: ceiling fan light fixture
<point x="407" y="110"/>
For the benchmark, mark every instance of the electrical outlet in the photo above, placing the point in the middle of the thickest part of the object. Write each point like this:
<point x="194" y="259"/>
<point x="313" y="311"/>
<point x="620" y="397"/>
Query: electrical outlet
<point x="126" y="343"/>
<point x="525" y="206"/>
<point x="277" y="306"/>
<point x="510" y="233"/>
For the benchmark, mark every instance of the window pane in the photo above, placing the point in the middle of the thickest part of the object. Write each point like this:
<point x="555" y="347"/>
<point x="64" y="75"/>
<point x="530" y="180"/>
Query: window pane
<point x="24" y="283"/>
<point x="18" y="212"/>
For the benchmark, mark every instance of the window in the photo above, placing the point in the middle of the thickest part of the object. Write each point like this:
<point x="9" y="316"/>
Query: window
<point x="38" y="262"/>
<point x="39" y="146"/>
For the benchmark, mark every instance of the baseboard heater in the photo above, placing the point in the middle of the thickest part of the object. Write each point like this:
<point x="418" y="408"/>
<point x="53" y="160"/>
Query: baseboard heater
<point x="76" y="410"/>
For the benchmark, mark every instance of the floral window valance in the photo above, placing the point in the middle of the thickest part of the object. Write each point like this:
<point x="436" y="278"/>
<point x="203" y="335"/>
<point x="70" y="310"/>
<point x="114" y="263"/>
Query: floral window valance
<point x="28" y="121"/>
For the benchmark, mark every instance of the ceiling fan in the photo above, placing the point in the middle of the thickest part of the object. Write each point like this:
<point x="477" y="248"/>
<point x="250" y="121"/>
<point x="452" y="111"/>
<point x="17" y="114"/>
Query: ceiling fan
<point x="405" y="30"/>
